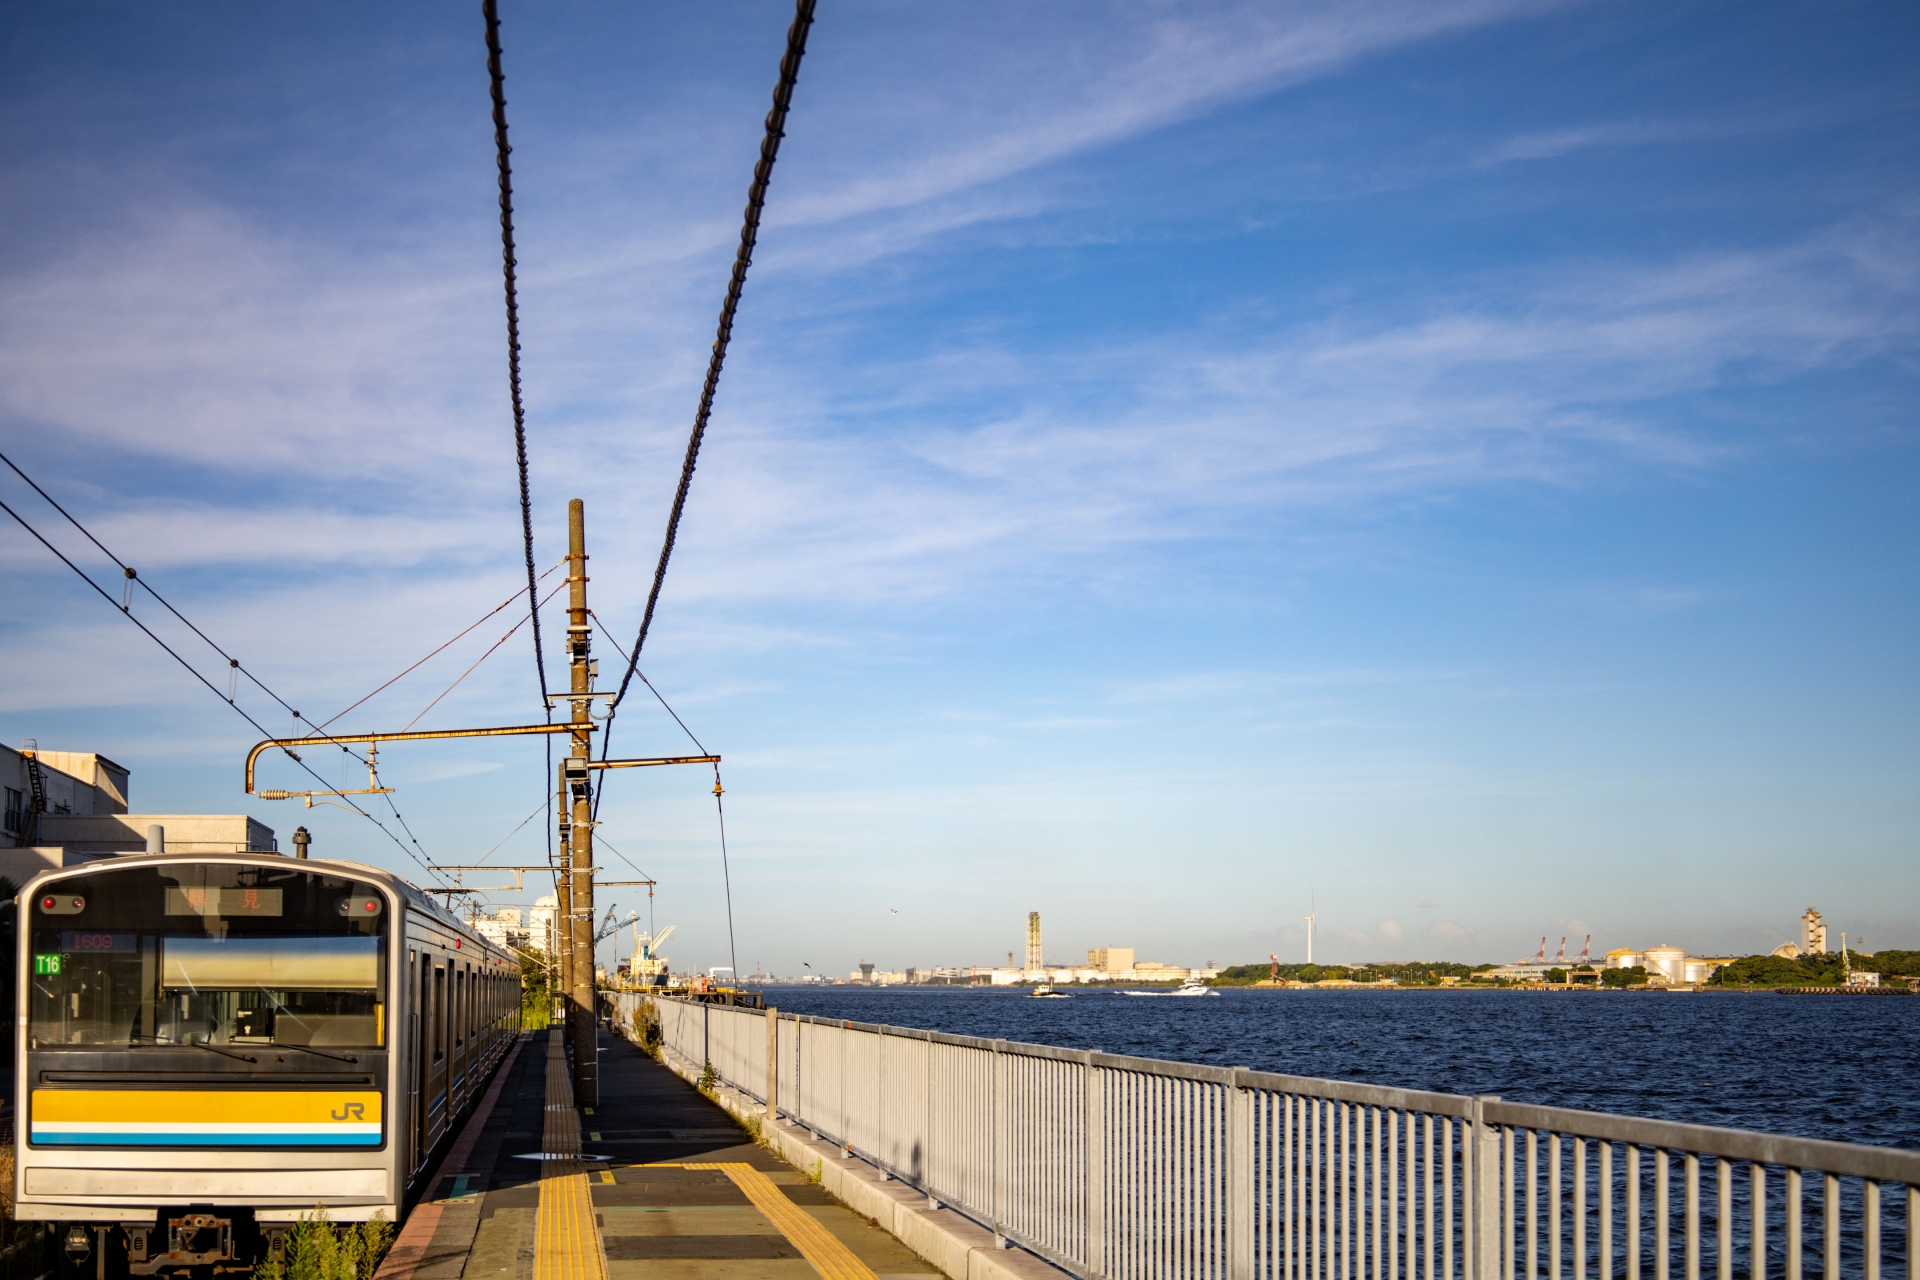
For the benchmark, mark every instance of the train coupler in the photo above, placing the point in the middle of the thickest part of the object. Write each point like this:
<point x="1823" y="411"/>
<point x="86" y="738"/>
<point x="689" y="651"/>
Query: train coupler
<point x="193" y="1240"/>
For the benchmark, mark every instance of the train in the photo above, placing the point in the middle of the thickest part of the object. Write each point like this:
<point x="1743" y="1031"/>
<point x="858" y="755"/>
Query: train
<point x="210" y="1046"/>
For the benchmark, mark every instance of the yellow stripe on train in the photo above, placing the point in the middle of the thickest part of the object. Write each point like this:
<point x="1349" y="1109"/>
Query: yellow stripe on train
<point x="206" y="1106"/>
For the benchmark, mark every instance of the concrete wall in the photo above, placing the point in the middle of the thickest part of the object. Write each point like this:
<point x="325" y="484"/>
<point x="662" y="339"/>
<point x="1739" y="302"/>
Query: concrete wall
<point x="100" y="834"/>
<point x="106" y="780"/>
<point x="73" y="782"/>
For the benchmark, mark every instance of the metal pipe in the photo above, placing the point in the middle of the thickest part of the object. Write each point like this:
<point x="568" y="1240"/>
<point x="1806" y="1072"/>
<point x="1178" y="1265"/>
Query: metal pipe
<point x="1633" y="1212"/>
<point x="1605" y="1180"/>
<point x="1580" y="1209"/>
<point x="641" y="763"/>
<point x="1662" y="1214"/>
<point x="1830" y="1226"/>
<point x="415" y="735"/>
<point x="1693" y="1217"/>
<point x="1870" y="1245"/>
<point x="1793" y="1224"/>
<point x="1553" y="1206"/>
<point x="1723" y="1219"/>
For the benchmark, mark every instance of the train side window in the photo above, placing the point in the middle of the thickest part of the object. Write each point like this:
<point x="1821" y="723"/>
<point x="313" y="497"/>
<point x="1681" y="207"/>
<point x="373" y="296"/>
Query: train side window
<point x="459" y="1016"/>
<point x="439" y="1005"/>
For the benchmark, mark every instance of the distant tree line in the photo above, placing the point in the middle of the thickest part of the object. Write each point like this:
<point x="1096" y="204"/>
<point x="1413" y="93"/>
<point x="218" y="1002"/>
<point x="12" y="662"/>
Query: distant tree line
<point x="1417" y="973"/>
<point x="1818" y="970"/>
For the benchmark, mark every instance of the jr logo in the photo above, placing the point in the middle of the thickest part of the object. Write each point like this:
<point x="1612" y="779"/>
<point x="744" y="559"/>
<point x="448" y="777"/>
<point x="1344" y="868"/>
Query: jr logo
<point x="350" y="1111"/>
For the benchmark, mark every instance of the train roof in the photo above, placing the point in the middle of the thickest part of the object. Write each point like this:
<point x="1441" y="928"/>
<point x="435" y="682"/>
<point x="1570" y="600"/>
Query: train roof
<point x="415" y="896"/>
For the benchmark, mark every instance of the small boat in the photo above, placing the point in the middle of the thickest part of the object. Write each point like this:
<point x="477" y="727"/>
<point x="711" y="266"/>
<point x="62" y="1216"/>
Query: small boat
<point x="1191" y="987"/>
<point x="1044" y="992"/>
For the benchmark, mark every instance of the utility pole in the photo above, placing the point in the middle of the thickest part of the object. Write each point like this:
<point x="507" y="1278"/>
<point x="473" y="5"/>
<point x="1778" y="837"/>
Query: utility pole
<point x="582" y="1019"/>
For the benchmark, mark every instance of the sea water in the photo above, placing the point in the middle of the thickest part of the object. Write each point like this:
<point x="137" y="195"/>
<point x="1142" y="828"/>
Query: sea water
<point x="1837" y="1067"/>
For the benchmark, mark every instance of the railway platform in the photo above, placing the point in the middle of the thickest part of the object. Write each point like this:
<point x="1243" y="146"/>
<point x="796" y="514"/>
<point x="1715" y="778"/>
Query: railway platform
<point x="655" y="1182"/>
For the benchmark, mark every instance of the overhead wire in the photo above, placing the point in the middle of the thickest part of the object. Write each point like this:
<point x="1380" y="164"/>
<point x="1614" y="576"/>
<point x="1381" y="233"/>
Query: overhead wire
<point x="477" y="661"/>
<point x="233" y="663"/>
<point x="729" y="307"/>
<point x="742" y="259"/>
<point x="497" y="85"/>
<point x="134" y="579"/>
<point x="508" y="265"/>
<point x="436" y="653"/>
<point x="643" y="680"/>
<point x="195" y="671"/>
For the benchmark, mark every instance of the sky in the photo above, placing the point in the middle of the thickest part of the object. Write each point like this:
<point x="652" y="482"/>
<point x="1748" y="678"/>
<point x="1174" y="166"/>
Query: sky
<point x="1446" y="467"/>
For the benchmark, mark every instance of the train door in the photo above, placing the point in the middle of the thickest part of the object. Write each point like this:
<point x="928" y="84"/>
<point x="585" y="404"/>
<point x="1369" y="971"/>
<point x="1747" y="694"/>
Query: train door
<point x="415" y="1066"/>
<point x="462" y="1064"/>
<point x="438" y="1075"/>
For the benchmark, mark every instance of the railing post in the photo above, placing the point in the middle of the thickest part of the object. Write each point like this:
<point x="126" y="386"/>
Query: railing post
<point x="1095" y="1201"/>
<point x="1485" y="1214"/>
<point x="773" y="1064"/>
<point x="1000" y="1147"/>
<point x="1240" y="1207"/>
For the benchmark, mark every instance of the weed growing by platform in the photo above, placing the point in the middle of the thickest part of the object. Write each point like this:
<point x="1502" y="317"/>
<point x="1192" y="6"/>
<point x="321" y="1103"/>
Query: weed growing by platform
<point x="317" y="1250"/>
<point x="645" y="1021"/>
<point x="813" y="1174"/>
<point x="709" y="1079"/>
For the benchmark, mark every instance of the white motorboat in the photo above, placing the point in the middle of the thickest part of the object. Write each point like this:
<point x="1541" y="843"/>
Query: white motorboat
<point x="1191" y="987"/>
<point x="1044" y="992"/>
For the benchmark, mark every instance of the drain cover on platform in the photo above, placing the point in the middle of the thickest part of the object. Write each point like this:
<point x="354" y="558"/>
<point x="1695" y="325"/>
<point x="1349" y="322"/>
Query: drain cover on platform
<point x="549" y="1155"/>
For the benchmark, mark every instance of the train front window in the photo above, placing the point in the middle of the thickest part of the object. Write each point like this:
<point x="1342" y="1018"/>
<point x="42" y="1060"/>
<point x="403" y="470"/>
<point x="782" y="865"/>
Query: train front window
<point x="208" y="954"/>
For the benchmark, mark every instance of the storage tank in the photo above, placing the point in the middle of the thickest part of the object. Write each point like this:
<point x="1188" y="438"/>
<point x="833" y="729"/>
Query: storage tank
<point x="1624" y="958"/>
<point x="1668" y="960"/>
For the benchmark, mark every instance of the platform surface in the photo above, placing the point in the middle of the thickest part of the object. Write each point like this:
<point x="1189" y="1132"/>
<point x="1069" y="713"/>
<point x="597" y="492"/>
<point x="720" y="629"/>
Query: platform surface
<point x="656" y="1181"/>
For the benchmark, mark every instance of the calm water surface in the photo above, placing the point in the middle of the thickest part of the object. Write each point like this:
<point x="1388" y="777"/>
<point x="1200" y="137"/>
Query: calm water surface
<point x="1834" y="1067"/>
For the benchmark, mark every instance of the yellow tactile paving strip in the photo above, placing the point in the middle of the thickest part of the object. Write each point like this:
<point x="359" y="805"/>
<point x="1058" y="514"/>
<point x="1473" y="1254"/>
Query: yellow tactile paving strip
<point x="832" y="1259"/>
<point x="567" y="1244"/>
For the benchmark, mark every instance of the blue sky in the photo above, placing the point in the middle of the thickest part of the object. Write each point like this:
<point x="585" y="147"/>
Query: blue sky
<point x="1447" y="464"/>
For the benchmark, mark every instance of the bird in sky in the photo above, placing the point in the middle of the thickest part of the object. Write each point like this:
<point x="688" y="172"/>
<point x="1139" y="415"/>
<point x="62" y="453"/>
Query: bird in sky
<point x="895" y="910"/>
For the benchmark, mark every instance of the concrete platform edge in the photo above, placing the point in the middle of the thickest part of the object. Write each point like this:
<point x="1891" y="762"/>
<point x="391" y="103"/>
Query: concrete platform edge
<point x="960" y="1247"/>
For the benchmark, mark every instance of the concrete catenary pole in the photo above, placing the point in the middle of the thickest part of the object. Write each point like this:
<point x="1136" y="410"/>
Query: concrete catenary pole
<point x="582" y="1030"/>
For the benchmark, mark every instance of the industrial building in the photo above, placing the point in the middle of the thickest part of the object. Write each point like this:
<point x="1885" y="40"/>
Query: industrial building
<point x="68" y="807"/>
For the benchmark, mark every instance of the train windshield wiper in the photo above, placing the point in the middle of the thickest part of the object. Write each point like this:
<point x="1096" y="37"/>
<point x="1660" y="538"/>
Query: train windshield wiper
<point x="337" y="1057"/>
<point x="214" y="1048"/>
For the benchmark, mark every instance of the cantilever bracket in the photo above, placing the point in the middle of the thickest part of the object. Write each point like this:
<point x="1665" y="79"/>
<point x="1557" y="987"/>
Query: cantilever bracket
<point x="652" y="760"/>
<point x="316" y="740"/>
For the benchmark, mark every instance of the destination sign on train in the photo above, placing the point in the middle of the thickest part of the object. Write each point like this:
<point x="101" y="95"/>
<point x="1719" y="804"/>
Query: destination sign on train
<point x="72" y="940"/>
<point x="223" y="902"/>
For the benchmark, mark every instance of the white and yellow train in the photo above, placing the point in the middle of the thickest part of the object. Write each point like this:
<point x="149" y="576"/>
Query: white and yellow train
<point x="209" y="1046"/>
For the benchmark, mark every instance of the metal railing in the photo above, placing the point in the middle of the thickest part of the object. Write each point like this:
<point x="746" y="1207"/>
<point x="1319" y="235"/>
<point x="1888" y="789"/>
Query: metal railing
<point x="1112" y="1166"/>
